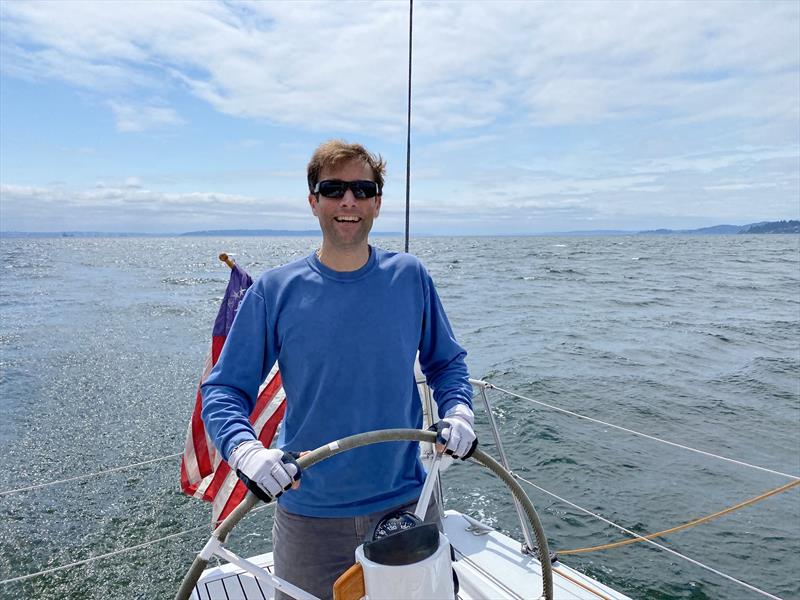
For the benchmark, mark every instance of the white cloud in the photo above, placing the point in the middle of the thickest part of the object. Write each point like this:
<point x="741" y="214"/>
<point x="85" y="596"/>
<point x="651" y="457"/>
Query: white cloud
<point x="678" y="191"/>
<point x="130" y="206"/>
<point x="570" y="111"/>
<point x="342" y="65"/>
<point x="742" y="185"/>
<point x="133" y="118"/>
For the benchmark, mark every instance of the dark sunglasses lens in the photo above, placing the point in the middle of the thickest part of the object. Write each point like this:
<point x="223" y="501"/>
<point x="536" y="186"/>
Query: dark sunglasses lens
<point x="332" y="189"/>
<point x="364" y="189"/>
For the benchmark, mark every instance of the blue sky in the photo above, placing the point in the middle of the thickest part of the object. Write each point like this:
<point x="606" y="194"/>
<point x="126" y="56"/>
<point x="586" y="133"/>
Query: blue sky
<point x="528" y="116"/>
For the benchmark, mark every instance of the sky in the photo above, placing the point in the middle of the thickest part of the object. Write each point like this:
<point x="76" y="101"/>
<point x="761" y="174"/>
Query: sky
<point x="527" y="117"/>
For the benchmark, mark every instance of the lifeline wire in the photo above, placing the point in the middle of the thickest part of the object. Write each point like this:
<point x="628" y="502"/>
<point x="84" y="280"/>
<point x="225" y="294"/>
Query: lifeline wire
<point x="98" y="557"/>
<point x="644" y="435"/>
<point x="489" y="386"/>
<point x="651" y="542"/>
<point x="86" y="561"/>
<point x="122" y="468"/>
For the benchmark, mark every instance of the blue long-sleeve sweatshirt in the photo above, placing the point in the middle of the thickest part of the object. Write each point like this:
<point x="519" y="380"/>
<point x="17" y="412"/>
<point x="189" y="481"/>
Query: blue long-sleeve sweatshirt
<point x="345" y="343"/>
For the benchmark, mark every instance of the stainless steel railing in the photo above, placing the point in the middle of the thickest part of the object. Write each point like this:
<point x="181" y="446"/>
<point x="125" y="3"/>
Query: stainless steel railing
<point x="430" y="417"/>
<point x="482" y="386"/>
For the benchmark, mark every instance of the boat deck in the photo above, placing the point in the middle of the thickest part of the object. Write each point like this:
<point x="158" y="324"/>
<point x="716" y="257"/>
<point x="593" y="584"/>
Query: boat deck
<point x="489" y="566"/>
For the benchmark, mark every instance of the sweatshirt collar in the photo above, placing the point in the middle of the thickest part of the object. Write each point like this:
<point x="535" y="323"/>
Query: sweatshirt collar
<point x="327" y="272"/>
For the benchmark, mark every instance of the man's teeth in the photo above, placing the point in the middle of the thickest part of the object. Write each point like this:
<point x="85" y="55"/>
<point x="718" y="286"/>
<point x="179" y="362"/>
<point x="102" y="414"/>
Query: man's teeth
<point x="348" y="219"/>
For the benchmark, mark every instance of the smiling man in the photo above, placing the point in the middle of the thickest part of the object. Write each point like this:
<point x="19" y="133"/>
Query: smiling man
<point x="345" y="218"/>
<point x="345" y="325"/>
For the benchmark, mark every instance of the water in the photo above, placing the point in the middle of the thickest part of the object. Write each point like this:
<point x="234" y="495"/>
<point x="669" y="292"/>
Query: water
<point x="694" y="339"/>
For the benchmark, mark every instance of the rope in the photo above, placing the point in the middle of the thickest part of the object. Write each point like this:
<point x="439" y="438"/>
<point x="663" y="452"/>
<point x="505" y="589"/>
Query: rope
<point x="651" y="542"/>
<point x="644" y="435"/>
<point x="91" y="559"/>
<point x="408" y="127"/>
<point x="77" y="477"/>
<point x="579" y="583"/>
<point x="705" y="519"/>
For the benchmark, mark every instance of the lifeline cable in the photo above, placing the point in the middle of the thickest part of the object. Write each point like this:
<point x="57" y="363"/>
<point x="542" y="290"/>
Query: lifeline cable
<point x="651" y="542"/>
<point x="683" y="526"/>
<point x="474" y="382"/>
<point x="91" y="559"/>
<point x="86" y="561"/>
<point x="77" y="477"/>
<point x="487" y="385"/>
<point x="644" y="435"/>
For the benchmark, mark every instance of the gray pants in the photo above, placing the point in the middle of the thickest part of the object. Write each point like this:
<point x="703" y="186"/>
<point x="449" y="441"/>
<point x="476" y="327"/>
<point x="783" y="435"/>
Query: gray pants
<point x="312" y="552"/>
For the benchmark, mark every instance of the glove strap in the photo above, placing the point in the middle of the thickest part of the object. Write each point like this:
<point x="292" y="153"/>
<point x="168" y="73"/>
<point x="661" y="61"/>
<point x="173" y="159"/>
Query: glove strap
<point x="438" y="426"/>
<point x="287" y="459"/>
<point x="471" y="449"/>
<point x="254" y="487"/>
<point x="290" y="458"/>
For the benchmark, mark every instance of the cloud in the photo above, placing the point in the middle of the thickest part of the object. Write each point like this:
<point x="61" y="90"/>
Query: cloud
<point x="685" y="190"/>
<point x="523" y="111"/>
<point x="742" y="185"/>
<point x="132" y="118"/>
<point x="342" y="66"/>
<point x="128" y="206"/>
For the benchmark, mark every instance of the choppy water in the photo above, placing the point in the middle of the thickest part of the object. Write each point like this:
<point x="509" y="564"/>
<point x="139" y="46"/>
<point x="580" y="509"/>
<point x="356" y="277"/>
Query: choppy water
<point x="694" y="339"/>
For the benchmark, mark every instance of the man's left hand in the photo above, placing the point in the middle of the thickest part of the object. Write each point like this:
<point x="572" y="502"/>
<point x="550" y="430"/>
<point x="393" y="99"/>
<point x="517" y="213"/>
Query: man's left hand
<point x="456" y="432"/>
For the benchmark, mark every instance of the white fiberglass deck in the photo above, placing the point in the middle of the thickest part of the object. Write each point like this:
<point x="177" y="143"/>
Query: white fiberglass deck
<point x="489" y="566"/>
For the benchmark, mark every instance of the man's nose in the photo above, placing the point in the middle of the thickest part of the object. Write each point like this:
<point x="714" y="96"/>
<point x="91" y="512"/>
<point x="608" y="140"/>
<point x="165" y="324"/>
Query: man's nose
<point x="348" y="199"/>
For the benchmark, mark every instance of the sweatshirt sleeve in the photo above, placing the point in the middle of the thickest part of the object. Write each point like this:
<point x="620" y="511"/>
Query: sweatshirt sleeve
<point x="440" y="356"/>
<point x="231" y="389"/>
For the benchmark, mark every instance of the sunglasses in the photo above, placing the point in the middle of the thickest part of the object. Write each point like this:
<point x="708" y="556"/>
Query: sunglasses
<point x="335" y="188"/>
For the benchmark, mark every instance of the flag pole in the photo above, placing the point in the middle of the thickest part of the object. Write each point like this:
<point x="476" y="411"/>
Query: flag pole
<point x="226" y="259"/>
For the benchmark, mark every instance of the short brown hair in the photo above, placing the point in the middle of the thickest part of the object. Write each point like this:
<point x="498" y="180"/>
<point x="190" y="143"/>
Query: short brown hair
<point x="333" y="153"/>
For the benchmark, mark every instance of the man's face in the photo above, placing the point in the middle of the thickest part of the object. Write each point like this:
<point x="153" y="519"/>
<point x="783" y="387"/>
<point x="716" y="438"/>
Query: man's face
<point x="346" y="221"/>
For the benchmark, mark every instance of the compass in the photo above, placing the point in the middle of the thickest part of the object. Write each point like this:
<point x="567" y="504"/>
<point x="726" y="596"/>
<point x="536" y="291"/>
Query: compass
<point x="395" y="523"/>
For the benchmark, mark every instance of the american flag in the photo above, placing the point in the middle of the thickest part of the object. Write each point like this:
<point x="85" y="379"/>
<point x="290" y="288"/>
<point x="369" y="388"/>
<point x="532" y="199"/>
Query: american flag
<point x="204" y="474"/>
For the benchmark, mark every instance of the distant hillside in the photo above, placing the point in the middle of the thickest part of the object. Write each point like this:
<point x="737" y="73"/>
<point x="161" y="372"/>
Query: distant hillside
<point x="252" y="232"/>
<point x="763" y="227"/>
<point x="792" y="226"/>
<point x="773" y="227"/>
<point x="715" y="230"/>
<point x="81" y="234"/>
<point x="269" y="233"/>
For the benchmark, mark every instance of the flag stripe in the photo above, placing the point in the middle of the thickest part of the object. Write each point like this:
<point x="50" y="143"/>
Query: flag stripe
<point x="204" y="474"/>
<point x="222" y="469"/>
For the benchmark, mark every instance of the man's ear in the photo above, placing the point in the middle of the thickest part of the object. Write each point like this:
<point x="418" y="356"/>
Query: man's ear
<point x="378" y="206"/>
<point x="312" y="201"/>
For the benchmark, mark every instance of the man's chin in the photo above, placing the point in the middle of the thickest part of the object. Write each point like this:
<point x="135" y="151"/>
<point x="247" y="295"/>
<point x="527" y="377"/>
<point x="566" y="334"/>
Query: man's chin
<point x="348" y="242"/>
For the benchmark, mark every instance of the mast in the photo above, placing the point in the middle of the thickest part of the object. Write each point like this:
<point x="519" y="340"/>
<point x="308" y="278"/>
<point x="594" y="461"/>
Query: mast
<point x="408" y="125"/>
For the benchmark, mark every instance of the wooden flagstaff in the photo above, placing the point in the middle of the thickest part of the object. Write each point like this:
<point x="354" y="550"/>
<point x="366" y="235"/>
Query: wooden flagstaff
<point x="226" y="259"/>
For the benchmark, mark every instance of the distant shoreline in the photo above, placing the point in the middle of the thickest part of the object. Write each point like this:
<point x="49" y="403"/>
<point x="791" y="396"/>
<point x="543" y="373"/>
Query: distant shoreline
<point x="761" y="228"/>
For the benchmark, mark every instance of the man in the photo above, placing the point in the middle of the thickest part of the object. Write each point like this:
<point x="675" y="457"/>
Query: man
<point x="345" y="325"/>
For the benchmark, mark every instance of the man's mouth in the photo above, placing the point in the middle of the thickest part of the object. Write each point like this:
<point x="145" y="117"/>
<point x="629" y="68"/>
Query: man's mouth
<point x="347" y="219"/>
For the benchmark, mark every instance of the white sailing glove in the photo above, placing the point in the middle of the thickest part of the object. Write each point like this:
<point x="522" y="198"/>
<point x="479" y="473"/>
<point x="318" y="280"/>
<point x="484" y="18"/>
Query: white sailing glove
<point x="266" y="473"/>
<point x="456" y="432"/>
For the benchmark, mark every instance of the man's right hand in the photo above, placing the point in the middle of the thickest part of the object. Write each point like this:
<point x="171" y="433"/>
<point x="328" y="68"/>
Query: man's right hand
<point x="267" y="473"/>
